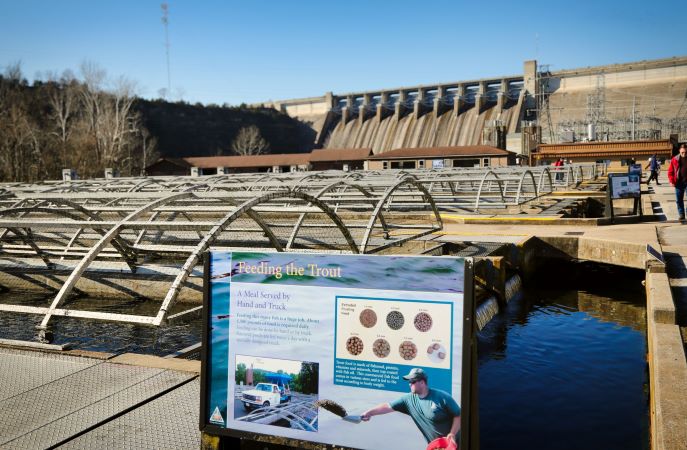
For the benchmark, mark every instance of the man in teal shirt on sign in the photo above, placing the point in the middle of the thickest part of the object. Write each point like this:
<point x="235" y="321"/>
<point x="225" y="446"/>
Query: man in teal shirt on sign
<point x="434" y="412"/>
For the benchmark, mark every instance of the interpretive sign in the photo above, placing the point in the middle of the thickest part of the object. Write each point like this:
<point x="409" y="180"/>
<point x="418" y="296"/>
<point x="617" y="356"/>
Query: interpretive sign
<point x="624" y="185"/>
<point x="338" y="349"/>
<point x="634" y="169"/>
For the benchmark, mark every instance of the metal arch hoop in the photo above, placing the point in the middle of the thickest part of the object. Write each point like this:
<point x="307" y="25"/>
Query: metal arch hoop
<point x="203" y="245"/>
<point x="344" y="230"/>
<point x="534" y="185"/>
<point x="481" y="185"/>
<point x="545" y="174"/>
<point x="119" y="246"/>
<point x="68" y="286"/>
<point x="387" y="194"/>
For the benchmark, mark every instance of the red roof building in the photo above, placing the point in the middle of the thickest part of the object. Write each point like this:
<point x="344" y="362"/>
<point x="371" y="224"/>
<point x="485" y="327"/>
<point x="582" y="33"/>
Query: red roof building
<point x="339" y="159"/>
<point x="441" y="157"/>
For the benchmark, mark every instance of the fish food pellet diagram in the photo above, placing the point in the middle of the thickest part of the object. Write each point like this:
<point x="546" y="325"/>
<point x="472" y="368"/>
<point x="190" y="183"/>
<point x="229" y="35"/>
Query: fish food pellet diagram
<point x="436" y="352"/>
<point x="395" y="320"/>
<point x="354" y="345"/>
<point x="381" y="348"/>
<point x="408" y="350"/>
<point x="423" y="321"/>
<point x="394" y="331"/>
<point x="368" y="318"/>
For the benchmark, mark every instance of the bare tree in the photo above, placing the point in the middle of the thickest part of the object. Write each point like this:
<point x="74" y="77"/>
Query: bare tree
<point x="92" y="94"/>
<point x="120" y="120"/>
<point x="141" y="147"/>
<point x="20" y="143"/>
<point x="87" y="125"/>
<point x="63" y="101"/>
<point x="149" y="151"/>
<point x="249" y="142"/>
<point x="13" y="71"/>
<point x="110" y="119"/>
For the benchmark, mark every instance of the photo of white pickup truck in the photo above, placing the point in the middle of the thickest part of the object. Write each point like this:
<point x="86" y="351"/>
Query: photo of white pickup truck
<point x="265" y="394"/>
<point x="277" y="392"/>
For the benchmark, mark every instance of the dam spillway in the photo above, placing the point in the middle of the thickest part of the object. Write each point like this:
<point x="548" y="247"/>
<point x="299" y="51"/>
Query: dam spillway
<point x="451" y="128"/>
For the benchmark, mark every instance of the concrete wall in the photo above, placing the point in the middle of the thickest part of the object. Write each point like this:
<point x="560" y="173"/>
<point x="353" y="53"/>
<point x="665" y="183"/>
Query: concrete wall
<point x="667" y="365"/>
<point x="311" y="107"/>
<point x="111" y="280"/>
<point x="646" y="72"/>
<point x="633" y="96"/>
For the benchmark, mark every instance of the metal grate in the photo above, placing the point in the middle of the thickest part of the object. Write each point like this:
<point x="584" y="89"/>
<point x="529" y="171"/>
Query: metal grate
<point x="21" y="373"/>
<point x="51" y="412"/>
<point x="168" y="422"/>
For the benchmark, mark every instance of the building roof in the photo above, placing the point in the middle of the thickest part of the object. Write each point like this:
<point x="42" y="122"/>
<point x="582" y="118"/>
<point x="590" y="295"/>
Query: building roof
<point x="343" y="154"/>
<point x="268" y="160"/>
<point x="602" y="148"/>
<point x="442" y="152"/>
<point x="181" y="162"/>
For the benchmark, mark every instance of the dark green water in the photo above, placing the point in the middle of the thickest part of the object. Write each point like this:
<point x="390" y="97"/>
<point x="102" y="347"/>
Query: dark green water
<point x="565" y="370"/>
<point x="103" y="336"/>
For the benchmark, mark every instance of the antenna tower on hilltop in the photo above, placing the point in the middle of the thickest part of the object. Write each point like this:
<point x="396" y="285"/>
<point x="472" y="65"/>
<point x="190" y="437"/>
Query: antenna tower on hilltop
<point x="165" y="22"/>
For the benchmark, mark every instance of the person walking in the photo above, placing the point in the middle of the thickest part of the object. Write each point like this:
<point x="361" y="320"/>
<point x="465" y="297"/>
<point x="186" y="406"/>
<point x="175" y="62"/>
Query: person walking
<point x="677" y="176"/>
<point x="655" y="167"/>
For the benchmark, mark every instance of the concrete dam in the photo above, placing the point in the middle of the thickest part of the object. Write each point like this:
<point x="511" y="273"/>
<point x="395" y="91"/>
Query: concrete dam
<point x="630" y="101"/>
<point x="433" y="117"/>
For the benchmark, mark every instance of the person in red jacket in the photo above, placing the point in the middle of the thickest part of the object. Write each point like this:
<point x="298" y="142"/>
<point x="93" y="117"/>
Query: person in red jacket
<point x="677" y="175"/>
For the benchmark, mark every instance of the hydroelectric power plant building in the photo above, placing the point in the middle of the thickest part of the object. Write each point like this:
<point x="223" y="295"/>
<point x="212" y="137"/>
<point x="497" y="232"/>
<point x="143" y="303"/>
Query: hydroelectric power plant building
<point x="644" y="100"/>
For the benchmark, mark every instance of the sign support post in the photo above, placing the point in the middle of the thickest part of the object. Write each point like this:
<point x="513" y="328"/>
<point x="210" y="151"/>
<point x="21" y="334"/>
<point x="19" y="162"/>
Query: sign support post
<point x="623" y="186"/>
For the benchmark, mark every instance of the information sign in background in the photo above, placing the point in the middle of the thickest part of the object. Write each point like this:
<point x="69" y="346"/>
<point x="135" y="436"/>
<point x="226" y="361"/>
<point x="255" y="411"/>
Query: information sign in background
<point x="344" y="328"/>
<point x="437" y="164"/>
<point x="624" y="185"/>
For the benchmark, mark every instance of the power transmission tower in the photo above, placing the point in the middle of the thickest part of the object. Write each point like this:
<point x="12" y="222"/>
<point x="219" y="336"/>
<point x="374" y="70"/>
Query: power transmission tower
<point x="543" y="110"/>
<point x="165" y="22"/>
<point x="596" y="105"/>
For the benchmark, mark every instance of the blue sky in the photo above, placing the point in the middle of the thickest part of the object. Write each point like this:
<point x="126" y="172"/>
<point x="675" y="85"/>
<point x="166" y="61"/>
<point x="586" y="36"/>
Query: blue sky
<point x="252" y="51"/>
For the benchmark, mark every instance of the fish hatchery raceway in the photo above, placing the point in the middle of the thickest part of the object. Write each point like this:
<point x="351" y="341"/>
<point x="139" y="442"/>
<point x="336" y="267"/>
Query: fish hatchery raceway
<point x="146" y="237"/>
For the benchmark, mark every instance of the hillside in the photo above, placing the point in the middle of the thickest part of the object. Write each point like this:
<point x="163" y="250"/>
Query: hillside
<point x="67" y="123"/>
<point x="184" y="129"/>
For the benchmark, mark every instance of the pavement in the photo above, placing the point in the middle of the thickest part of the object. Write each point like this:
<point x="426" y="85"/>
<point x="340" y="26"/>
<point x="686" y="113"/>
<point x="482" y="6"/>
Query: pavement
<point x="672" y="235"/>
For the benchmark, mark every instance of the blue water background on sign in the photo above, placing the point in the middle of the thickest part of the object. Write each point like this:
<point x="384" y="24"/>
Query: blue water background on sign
<point x="218" y="349"/>
<point x="359" y="271"/>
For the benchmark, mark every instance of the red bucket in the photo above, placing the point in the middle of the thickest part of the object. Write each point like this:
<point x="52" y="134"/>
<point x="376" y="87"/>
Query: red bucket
<point x="442" y="442"/>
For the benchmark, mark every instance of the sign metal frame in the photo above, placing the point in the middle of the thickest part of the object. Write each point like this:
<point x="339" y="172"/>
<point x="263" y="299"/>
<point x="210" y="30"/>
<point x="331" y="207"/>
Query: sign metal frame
<point x="469" y="392"/>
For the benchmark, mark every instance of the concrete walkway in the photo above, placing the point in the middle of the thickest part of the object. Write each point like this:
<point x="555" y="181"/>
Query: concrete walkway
<point x="672" y="235"/>
<point x="666" y="333"/>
